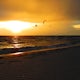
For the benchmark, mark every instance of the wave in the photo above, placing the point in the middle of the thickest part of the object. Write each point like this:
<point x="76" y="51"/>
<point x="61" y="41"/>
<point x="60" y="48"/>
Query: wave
<point x="32" y="48"/>
<point x="10" y="45"/>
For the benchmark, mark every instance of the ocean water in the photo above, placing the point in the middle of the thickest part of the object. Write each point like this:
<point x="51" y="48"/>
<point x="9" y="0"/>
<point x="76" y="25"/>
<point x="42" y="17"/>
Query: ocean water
<point x="9" y="43"/>
<point x="55" y="65"/>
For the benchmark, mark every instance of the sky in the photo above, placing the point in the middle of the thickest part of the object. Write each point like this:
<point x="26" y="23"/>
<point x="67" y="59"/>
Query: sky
<point x="61" y="16"/>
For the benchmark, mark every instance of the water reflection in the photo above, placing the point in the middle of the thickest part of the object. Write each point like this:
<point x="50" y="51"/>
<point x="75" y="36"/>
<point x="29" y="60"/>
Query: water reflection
<point x="20" y="42"/>
<point x="15" y="42"/>
<point x="16" y="45"/>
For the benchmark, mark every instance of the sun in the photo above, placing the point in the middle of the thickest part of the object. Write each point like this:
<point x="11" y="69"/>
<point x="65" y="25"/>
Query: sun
<point x="16" y="26"/>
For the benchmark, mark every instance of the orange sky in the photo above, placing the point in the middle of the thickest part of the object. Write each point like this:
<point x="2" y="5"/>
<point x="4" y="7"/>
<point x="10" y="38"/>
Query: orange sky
<point x="60" y="16"/>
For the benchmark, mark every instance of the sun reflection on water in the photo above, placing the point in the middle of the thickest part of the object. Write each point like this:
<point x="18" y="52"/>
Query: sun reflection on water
<point x="15" y="42"/>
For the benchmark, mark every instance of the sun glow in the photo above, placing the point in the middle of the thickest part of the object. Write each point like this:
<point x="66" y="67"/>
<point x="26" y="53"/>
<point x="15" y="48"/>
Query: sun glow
<point x="77" y="27"/>
<point x="16" y="26"/>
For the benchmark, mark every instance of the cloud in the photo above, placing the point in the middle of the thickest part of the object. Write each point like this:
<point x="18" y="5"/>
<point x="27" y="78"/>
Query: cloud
<point x="39" y="9"/>
<point x="53" y="9"/>
<point x="72" y="10"/>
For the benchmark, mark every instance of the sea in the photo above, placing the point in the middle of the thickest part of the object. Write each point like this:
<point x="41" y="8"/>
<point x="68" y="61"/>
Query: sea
<point x="12" y="44"/>
<point x="61" y="64"/>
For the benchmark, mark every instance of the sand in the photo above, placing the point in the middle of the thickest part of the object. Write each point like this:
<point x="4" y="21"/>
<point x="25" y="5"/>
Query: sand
<point x="60" y="64"/>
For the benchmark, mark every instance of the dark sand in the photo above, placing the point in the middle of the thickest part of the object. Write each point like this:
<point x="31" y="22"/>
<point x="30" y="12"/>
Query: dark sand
<point x="63" y="64"/>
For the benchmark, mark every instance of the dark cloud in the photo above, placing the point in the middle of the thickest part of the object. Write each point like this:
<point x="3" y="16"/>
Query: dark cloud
<point x="72" y="9"/>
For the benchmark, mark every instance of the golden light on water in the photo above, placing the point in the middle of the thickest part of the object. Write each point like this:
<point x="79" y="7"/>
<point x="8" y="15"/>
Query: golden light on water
<point x="16" y="26"/>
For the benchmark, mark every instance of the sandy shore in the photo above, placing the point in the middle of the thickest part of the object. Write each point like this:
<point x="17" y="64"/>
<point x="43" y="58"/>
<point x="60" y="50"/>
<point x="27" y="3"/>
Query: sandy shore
<point x="60" y="64"/>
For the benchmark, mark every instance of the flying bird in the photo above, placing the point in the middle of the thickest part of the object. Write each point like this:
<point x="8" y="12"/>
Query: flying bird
<point x="36" y="25"/>
<point x="44" y="21"/>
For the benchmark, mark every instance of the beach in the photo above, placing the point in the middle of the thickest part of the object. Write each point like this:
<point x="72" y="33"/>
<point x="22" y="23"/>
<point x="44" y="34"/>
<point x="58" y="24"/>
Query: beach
<point x="60" y="64"/>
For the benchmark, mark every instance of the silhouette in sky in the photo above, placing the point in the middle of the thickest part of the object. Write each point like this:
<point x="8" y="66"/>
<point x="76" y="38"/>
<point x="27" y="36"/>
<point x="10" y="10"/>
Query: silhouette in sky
<point x="36" y="25"/>
<point x="42" y="22"/>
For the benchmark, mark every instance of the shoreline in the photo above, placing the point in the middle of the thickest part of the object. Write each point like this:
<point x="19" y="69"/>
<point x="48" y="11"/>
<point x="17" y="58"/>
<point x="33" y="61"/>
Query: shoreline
<point x="60" y="64"/>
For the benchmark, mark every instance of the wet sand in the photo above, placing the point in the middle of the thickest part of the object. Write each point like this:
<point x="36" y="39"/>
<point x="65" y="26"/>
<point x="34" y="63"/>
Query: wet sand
<point x="61" y="64"/>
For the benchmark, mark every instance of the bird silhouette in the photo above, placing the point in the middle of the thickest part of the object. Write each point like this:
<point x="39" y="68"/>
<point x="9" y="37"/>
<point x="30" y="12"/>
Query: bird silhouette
<point x="44" y="21"/>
